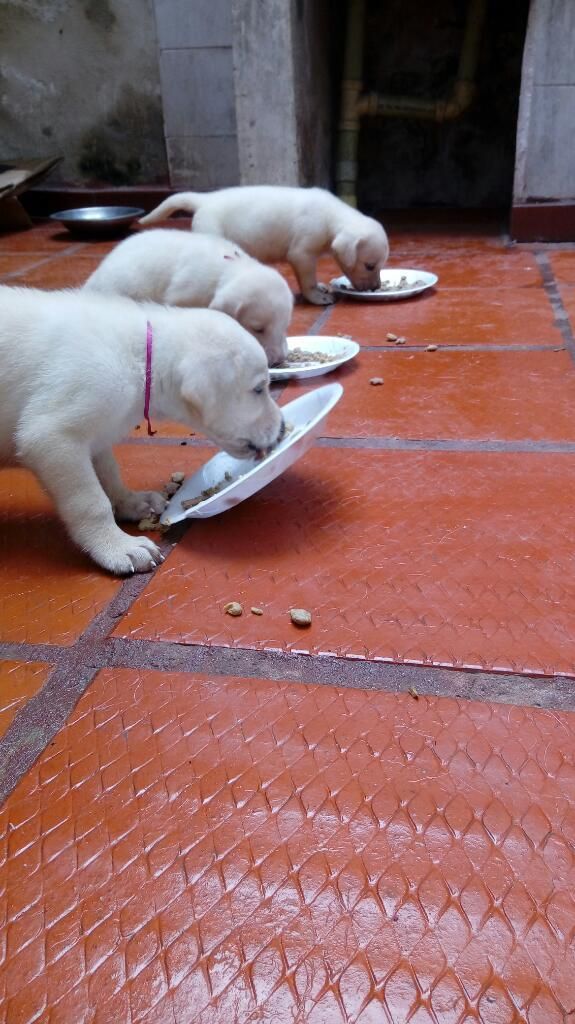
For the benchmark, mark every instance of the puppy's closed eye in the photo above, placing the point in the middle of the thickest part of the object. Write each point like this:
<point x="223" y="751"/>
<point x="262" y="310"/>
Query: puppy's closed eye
<point x="370" y="266"/>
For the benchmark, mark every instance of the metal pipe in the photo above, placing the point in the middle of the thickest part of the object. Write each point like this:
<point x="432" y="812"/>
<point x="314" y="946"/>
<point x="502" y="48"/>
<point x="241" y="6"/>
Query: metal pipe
<point x="348" y="129"/>
<point x="355" y="106"/>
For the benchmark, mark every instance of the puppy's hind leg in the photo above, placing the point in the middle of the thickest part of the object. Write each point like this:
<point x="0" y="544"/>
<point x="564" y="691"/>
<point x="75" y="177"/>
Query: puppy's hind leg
<point x="304" y="265"/>
<point x="64" y="466"/>
<point x="129" y="505"/>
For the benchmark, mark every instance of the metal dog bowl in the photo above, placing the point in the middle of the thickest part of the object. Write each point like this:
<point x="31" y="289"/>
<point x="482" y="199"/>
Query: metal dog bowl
<point x="98" y="220"/>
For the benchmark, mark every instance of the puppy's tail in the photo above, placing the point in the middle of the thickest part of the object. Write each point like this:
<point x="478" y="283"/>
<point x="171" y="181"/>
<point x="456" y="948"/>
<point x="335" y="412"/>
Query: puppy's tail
<point x="188" y="201"/>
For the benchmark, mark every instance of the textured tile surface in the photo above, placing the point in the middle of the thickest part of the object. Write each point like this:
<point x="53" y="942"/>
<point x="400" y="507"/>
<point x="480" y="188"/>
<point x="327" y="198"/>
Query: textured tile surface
<point x="18" y="682"/>
<point x="517" y="396"/>
<point x="444" y="558"/>
<point x="50" y="591"/>
<point x="195" y="849"/>
<point x="228" y="851"/>
<point x="509" y="316"/>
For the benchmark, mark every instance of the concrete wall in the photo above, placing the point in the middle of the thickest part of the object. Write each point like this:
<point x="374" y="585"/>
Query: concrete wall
<point x="283" y="99"/>
<point x="195" y="41"/>
<point x="81" y="78"/>
<point x="545" y="164"/>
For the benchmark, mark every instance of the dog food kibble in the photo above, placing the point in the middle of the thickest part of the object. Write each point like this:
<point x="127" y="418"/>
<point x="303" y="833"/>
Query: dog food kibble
<point x="400" y="341"/>
<point x="376" y="381"/>
<point x="413" y="692"/>
<point x="300" y="617"/>
<point x="171" y="489"/>
<point x="233" y="608"/>
<point x="399" y="286"/>
<point x="257" y="611"/>
<point x="431" y="348"/>
<point x="210" y="491"/>
<point x="148" y="524"/>
<point x="391" y="337"/>
<point x="178" y="478"/>
<point x="301" y="357"/>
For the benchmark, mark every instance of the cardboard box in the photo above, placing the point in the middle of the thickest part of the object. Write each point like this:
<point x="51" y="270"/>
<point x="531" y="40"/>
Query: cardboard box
<point x="16" y="177"/>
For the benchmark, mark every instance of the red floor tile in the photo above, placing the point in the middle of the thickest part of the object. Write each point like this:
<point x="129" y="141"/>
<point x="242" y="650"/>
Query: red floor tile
<point x="303" y="319"/>
<point x="208" y="850"/>
<point x="568" y="298"/>
<point x="44" y="238"/>
<point x="563" y="266"/>
<point x="457" y="242"/>
<point x="63" y="272"/>
<point x="445" y="394"/>
<point x="14" y="264"/>
<point x="491" y="270"/>
<point x="452" y="316"/>
<point x="18" y="682"/>
<point x="50" y="590"/>
<point x="456" y="559"/>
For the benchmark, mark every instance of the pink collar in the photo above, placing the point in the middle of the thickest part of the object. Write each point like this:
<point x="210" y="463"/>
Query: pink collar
<point x="148" y="391"/>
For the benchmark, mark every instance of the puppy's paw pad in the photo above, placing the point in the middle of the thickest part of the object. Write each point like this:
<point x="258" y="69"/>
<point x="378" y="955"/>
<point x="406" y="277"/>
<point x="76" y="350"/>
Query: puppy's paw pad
<point x="320" y="296"/>
<point x="137" y="505"/>
<point x="134" y="554"/>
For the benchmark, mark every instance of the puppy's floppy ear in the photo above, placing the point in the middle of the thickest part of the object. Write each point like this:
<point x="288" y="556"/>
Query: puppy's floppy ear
<point x="230" y="304"/>
<point x="194" y="392"/>
<point x="344" y="248"/>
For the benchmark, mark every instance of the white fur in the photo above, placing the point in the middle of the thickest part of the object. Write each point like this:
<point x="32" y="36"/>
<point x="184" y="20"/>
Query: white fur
<point x="180" y="269"/>
<point x="72" y="385"/>
<point x="296" y="224"/>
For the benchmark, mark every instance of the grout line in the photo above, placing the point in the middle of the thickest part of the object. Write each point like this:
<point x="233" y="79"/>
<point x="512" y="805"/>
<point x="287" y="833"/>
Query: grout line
<point x="396" y="444"/>
<point x="471" y="347"/>
<point x="40" y="262"/>
<point x="41" y="719"/>
<point x="45" y="714"/>
<point x="321" y="320"/>
<point x="551" y="287"/>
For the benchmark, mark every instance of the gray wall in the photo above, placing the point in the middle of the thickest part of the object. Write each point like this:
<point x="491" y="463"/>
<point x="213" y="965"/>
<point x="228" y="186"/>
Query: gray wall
<point x="545" y="167"/>
<point x="81" y="78"/>
<point x="195" y="40"/>
<point x="282" y="65"/>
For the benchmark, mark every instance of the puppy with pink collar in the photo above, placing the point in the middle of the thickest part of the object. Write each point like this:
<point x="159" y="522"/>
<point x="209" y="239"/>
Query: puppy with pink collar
<point x="79" y="369"/>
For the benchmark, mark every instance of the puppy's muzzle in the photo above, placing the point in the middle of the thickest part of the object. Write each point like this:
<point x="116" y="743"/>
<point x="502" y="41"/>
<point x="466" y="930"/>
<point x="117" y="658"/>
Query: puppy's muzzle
<point x="261" y="453"/>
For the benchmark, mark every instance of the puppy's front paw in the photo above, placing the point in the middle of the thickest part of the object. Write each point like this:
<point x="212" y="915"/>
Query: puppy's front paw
<point x="320" y="295"/>
<point x="136" y="505"/>
<point x="128" y="555"/>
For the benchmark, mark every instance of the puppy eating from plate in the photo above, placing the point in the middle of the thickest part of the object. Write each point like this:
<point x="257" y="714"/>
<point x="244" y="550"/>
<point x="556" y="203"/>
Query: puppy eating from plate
<point x="274" y="223"/>
<point x="182" y="269"/>
<point x="78" y="370"/>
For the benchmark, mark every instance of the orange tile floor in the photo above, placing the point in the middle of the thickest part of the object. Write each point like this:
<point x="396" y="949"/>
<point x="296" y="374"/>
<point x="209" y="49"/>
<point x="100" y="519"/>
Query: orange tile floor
<point x="223" y="820"/>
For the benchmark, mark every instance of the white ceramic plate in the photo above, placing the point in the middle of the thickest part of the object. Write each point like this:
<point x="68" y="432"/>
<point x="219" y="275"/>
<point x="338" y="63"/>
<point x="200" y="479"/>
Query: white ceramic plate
<point x="340" y="349"/>
<point x="307" y="416"/>
<point x="418" y="281"/>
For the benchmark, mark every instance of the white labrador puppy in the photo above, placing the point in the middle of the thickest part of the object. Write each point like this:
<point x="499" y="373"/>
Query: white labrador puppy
<point x="296" y="224"/>
<point x="180" y="269"/>
<point x="73" y="384"/>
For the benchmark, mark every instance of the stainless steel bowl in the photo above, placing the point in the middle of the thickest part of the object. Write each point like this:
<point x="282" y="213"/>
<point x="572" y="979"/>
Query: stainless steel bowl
<point x="98" y="220"/>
